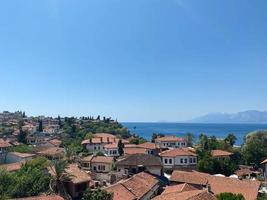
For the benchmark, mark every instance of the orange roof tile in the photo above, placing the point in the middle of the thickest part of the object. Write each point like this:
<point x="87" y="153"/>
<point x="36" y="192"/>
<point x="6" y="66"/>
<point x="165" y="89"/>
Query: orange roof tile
<point x="102" y="159"/>
<point x="52" y="151"/>
<point x="187" y="195"/>
<point x="178" y="188"/>
<point x="147" y="145"/>
<point x="78" y="176"/>
<point x="219" y="153"/>
<point x="170" y="139"/>
<point x="12" y="166"/>
<point x="134" y="150"/>
<point x="188" y="177"/>
<point x="4" y="144"/>
<point x="138" y="185"/>
<point x="177" y="152"/>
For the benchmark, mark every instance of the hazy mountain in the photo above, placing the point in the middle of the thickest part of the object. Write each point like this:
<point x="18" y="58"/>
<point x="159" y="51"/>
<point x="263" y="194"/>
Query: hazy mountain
<point x="250" y="116"/>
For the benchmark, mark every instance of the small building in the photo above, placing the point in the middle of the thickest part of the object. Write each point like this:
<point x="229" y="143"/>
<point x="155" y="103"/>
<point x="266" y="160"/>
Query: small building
<point x="52" y="153"/>
<point x="85" y="162"/>
<point x="142" y="186"/>
<point x="55" y="142"/>
<point x="170" y="142"/>
<point x="151" y="148"/>
<point x="101" y="164"/>
<point x="220" y="154"/>
<point x="13" y="157"/>
<point x="4" y="146"/>
<point x="36" y="138"/>
<point x="79" y="181"/>
<point x="111" y="150"/>
<point x="137" y="163"/>
<point x="181" y="158"/>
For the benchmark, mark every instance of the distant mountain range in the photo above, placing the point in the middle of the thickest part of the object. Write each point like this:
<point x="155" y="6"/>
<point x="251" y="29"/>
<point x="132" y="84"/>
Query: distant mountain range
<point x="250" y="116"/>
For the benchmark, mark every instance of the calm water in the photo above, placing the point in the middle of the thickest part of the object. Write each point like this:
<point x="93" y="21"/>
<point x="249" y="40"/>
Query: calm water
<point x="219" y="130"/>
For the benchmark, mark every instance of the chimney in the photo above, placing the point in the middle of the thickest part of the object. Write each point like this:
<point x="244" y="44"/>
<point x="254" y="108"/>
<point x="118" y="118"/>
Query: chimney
<point x="209" y="188"/>
<point x="101" y="139"/>
<point x="108" y="139"/>
<point x="114" y="139"/>
<point x="90" y="140"/>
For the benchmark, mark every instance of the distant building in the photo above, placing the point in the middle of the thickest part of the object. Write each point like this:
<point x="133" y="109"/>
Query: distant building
<point x="13" y="157"/>
<point x="181" y="158"/>
<point x="220" y="154"/>
<point x="36" y="138"/>
<point x="136" y="163"/>
<point x="170" y="142"/>
<point x="52" y="153"/>
<point x="101" y="164"/>
<point x="12" y="167"/>
<point x="111" y="150"/>
<point x="4" y="147"/>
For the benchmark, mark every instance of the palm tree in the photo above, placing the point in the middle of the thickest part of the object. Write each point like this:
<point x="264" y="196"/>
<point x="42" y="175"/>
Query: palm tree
<point x="59" y="177"/>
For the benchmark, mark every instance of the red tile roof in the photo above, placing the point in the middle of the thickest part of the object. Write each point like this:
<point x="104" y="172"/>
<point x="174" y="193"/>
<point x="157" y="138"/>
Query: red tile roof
<point x="78" y="175"/>
<point x="147" y="145"/>
<point x="102" y="159"/>
<point x="12" y="166"/>
<point x="134" y="150"/>
<point x="138" y="185"/>
<point x="220" y="153"/>
<point x="170" y="139"/>
<point x="187" y="195"/>
<point x="179" y="188"/>
<point x="188" y="177"/>
<point x="249" y="189"/>
<point x="177" y="152"/>
<point x="4" y="144"/>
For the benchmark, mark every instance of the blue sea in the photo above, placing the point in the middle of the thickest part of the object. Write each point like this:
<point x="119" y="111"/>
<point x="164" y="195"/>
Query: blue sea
<point x="180" y="129"/>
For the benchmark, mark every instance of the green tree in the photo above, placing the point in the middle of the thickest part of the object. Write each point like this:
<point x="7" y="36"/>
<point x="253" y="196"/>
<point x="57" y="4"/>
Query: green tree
<point x="156" y="135"/>
<point x="40" y="126"/>
<point x="22" y="136"/>
<point x="120" y="148"/>
<point x="254" y="151"/>
<point x="230" y="196"/>
<point x="59" y="177"/>
<point x="99" y="153"/>
<point x="97" y="194"/>
<point x="230" y="139"/>
<point x="6" y="181"/>
<point x="190" y="139"/>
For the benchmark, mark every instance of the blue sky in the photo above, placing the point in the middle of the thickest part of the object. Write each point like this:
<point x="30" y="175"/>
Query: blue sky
<point x="133" y="60"/>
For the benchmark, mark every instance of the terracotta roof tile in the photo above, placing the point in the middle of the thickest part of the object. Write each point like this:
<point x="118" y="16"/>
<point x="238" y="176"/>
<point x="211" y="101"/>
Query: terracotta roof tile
<point x="188" y="177"/>
<point x="147" y="145"/>
<point x="52" y="151"/>
<point x="187" y="195"/>
<point x="102" y="159"/>
<point x="177" y="152"/>
<point x="134" y="150"/>
<point x="4" y="143"/>
<point x="140" y="159"/>
<point x="178" y="188"/>
<point x="219" y="153"/>
<point x="170" y="139"/>
<point x="12" y="166"/>
<point x="138" y="185"/>
<point x="78" y="176"/>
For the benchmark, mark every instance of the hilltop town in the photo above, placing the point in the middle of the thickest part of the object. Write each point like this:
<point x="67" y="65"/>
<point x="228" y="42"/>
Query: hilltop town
<point x="97" y="158"/>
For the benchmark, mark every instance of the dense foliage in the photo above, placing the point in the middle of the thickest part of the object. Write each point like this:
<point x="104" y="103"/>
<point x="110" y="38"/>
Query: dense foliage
<point x="30" y="180"/>
<point x="230" y="196"/>
<point x="97" y="195"/>
<point x="254" y="150"/>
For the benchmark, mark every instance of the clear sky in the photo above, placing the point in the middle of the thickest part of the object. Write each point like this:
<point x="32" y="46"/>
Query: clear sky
<point x="135" y="60"/>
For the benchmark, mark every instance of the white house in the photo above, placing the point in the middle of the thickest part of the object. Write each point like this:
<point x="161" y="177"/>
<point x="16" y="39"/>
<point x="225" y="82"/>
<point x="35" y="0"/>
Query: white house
<point x="111" y="150"/>
<point x="178" y="158"/>
<point x="170" y="142"/>
<point x="101" y="164"/>
<point x="13" y="157"/>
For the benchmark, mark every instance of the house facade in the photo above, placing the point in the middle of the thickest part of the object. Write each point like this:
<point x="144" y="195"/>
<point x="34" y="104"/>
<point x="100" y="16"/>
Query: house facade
<point x="181" y="158"/>
<point x="170" y="142"/>
<point x="101" y="164"/>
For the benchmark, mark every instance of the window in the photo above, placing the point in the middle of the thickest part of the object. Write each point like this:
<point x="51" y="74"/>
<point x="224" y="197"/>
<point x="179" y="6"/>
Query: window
<point x="194" y="160"/>
<point x="190" y="160"/>
<point x="185" y="160"/>
<point x="101" y="167"/>
<point x="181" y="160"/>
<point x="170" y="161"/>
<point x="166" y="161"/>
